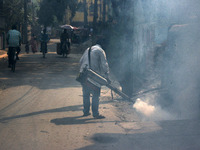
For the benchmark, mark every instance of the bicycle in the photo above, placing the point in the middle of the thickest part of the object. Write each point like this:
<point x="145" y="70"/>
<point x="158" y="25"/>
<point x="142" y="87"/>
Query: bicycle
<point x="13" y="58"/>
<point x="43" y="49"/>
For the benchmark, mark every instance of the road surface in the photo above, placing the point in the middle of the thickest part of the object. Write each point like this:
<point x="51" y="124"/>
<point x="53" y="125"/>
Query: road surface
<point x="41" y="109"/>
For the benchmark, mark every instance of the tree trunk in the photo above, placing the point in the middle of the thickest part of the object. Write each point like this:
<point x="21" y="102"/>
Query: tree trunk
<point x="104" y="11"/>
<point x="85" y="13"/>
<point x="25" y="37"/>
<point x="95" y="14"/>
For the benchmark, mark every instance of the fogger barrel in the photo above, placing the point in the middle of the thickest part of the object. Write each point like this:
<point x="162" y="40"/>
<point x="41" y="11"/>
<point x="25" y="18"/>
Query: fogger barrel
<point x="96" y="77"/>
<point x="102" y="81"/>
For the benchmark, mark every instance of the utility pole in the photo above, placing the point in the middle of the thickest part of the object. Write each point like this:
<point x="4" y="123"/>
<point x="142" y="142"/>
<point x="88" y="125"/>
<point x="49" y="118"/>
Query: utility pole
<point x="25" y="22"/>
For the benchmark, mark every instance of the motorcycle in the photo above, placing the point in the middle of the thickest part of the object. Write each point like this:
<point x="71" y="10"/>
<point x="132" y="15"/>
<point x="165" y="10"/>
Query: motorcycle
<point x="13" y="56"/>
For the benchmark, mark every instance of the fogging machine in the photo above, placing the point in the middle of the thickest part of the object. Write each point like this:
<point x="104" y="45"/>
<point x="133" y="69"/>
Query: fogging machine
<point x="97" y="79"/>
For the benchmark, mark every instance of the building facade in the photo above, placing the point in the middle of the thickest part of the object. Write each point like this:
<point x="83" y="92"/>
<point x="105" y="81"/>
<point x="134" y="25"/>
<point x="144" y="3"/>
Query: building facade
<point x="78" y="20"/>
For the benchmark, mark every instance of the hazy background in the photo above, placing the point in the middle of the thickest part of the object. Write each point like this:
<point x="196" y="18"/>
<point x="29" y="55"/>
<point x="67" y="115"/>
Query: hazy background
<point x="167" y="51"/>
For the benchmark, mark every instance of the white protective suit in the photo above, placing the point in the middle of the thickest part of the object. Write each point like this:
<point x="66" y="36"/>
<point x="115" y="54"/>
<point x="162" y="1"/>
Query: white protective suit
<point x="98" y="60"/>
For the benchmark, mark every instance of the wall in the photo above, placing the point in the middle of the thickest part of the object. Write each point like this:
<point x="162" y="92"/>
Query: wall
<point x="174" y="26"/>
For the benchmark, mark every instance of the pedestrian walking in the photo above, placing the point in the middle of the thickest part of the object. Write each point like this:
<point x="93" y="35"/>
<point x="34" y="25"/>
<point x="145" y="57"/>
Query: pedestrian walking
<point x="99" y="64"/>
<point x="27" y="47"/>
<point x="33" y="43"/>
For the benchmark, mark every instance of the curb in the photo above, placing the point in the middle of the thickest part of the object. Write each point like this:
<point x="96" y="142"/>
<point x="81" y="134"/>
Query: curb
<point x="3" y="53"/>
<point x="3" y="56"/>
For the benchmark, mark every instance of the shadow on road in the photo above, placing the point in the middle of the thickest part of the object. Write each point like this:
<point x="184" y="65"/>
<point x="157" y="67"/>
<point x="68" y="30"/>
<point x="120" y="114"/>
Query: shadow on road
<point x="75" y="120"/>
<point x="62" y="109"/>
<point x="171" y="135"/>
<point x="52" y="72"/>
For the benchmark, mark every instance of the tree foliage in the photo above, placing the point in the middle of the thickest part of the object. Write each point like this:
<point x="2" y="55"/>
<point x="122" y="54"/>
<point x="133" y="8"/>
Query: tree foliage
<point x="13" y="12"/>
<point x="95" y="15"/>
<point x="51" y="10"/>
<point x="85" y="7"/>
<point x="72" y="4"/>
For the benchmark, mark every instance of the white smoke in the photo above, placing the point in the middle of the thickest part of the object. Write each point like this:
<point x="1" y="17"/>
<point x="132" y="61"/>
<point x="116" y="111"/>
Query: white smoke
<point x="179" y="65"/>
<point x="149" y="111"/>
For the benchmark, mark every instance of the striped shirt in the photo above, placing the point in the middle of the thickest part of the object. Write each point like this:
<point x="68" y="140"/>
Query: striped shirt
<point x="14" y="38"/>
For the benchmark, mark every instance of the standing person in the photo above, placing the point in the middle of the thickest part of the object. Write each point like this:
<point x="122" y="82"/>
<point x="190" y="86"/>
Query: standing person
<point x="13" y="41"/>
<point x="44" y="38"/>
<point x="98" y="63"/>
<point x="33" y="43"/>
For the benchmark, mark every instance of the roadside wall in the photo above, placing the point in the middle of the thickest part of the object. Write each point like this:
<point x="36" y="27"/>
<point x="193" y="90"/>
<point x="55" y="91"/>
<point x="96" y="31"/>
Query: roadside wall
<point x="152" y="21"/>
<point x="173" y="26"/>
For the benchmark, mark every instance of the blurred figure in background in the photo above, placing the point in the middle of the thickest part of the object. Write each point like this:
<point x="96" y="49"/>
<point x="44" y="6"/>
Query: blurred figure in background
<point x="64" y="38"/>
<point x="27" y="47"/>
<point x="44" y="39"/>
<point x="33" y="43"/>
<point x="13" y="41"/>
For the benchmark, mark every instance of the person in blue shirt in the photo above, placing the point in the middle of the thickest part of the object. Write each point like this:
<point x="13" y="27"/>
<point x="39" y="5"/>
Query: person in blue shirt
<point x="13" y="41"/>
<point x="44" y="38"/>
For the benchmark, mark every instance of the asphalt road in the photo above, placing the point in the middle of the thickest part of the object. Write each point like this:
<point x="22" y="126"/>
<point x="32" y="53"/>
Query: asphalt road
<point x="41" y="109"/>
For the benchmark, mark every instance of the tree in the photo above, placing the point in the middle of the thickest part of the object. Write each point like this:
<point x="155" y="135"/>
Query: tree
<point x="104" y="11"/>
<point x="85" y="13"/>
<point x="48" y="11"/>
<point x="13" y="12"/>
<point x="95" y="14"/>
<point x="73" y="8"/>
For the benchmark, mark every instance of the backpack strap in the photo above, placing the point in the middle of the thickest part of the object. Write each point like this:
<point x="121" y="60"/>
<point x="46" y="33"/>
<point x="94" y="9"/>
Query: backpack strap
<point x="89" y="52"/>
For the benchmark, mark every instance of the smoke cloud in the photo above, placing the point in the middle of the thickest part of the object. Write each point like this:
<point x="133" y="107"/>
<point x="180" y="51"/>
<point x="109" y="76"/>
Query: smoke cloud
<point x="177" y="25"/>
<point x="148" y="111"/>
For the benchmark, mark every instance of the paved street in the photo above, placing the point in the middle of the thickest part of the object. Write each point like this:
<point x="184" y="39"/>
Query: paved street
<point x="41" y="109"/>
